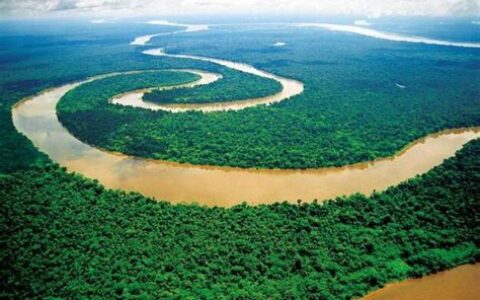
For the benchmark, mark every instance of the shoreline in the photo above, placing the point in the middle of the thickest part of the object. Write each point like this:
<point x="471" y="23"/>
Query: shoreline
<point x="421" y="288"/>
<point x="176" y="182"/>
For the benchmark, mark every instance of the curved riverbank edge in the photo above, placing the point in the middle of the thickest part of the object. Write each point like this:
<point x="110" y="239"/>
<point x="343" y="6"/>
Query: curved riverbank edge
<point x="290" y="87"/>
<point x="135" y="98"/>
<point x="389" y="36"/>
<point x="36" y="118"/>
<point x="458" y="283"/>
<point x="355" y="29"/>
<point x="145" y="39"/>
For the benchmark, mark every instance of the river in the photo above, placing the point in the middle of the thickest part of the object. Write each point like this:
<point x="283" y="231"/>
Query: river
<point x="290" y="88"/>
<point x="36" y="118"/>
<point x="461" y="283"/>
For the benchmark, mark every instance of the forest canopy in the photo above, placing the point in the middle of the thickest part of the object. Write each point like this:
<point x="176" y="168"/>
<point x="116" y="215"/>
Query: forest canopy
<point x="64" y="236"/>
<point x="130" y="247"/>
<point x="233" y="85"/>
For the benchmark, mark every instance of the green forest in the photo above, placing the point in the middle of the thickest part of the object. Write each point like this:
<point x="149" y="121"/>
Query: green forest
<point x="92" y="95"/>
<point x="351" y="110"/>
<point x="304" y="132"/>
<point x="66" y="237"/>
<point x="233" y="85"/>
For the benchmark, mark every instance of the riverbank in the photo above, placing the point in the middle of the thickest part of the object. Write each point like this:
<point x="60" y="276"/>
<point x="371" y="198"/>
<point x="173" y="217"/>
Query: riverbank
<point x="461" y="283"/>
<point x="223" y="186"/>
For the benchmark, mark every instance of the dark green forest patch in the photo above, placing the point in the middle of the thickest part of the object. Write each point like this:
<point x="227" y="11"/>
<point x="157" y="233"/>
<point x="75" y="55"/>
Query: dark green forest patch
<point x="95" y="95"/>
<point x="233" y="85"/>
<point x="351" y="109"/>
<point x="67" y="237"/>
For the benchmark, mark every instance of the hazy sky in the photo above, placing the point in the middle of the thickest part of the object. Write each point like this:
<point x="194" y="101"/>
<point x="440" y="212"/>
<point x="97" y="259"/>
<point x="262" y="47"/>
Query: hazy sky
<point x="369" y="8"/>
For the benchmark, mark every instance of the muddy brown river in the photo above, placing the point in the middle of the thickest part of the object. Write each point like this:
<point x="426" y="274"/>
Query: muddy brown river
<point x="290" y="88"/>
<point x="183" y="183"/>
<point x="36" y="118"/>
<point x="461" y="283"/>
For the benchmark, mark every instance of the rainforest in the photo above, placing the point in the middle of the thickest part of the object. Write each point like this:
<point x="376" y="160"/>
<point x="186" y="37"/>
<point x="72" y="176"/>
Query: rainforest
<point x="212" y="158"/>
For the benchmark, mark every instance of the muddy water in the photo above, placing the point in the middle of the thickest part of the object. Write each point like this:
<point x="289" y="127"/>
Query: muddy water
<point x="290" y="87"/>
<point x="36" y="118"/>
<point x="134" y="98"/>
<point x="462" y="283"/>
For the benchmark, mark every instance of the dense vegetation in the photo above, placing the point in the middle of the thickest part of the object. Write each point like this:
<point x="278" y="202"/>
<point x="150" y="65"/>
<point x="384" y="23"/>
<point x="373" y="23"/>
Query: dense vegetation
<point x="16" y="152"/>
<point x="38" y="55"/>
<point x="233" y="86"/>
<point x="93" y="95"/>
<point x="351" y="109"/>
<point x="67" y="237"/>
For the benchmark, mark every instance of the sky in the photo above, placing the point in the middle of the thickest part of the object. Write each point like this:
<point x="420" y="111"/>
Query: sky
<point x="137" y="8"/>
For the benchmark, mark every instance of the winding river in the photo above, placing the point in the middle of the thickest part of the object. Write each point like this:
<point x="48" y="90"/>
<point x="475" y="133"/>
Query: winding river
<point x="36" y="118"/>
<point x="290" y="88"/>
<point x="144" y="39"/>
<point x="134" y="98"/>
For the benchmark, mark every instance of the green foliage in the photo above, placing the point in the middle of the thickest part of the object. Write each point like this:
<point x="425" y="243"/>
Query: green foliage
<point x="67" y="237"/>
<point x="439" y="259"/>
<point x="94" y="95"/>
<point x="233" y="86"/>
<point x="399" y="268"/>
<point x="16" y="151"/>
<point x="351" y="109"/>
